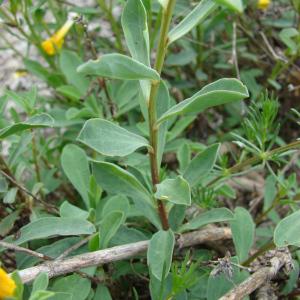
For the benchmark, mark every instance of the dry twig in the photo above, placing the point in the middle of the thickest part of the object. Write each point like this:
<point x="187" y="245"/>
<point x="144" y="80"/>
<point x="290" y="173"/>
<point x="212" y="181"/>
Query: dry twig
<point x="60" y="267"/>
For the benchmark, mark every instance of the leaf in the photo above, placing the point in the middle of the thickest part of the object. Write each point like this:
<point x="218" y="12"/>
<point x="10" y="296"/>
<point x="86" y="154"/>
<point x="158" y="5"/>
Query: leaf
<point x="195" y="17"/>
<point x="53" y="226"/>
<point x="110" y="139"/>
<point x="222" y="91"/>
<point x="174" y="190"/>
<point x="7" y="223"/>
<point x="160" y="252"/>
<point x="201" y="165"/>
<point x="37" y="121"/>
<point x="102" y="292"/>
<point x="287" y="231"/>
<point x="116" y="203"/>
<point x="67" y="210"/>
<point x="212" y="216"/>
<point x="163" y="3"/>
<point x="236" y="5"/>
<point x="76" y="167"/>
<point x="109" y="226"/>
<point x="3" y="184"/>
<point x="135" y="27"/>
<point x="289" y="37"/>
<point x="41" y="295"/>
<point x="75" y="285"/>
<point x="40" y="283"/>
<point x="243" y="229"/>
<point x="68" y="62"/>
<point x="118" y="66"/>
<point x="115" y="180"/>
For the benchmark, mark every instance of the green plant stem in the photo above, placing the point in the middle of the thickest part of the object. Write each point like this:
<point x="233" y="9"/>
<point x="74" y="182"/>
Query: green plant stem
<point x="153" y="129"/>
<point x="256" y="159"/>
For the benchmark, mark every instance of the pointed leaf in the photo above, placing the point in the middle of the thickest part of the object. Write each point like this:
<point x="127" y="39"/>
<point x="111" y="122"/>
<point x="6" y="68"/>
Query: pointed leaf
<point x="174" y="190"/>
<point x="109" y="226"/>
<point x="195" y="17"/>
<point x="236" y="5"/>
<point x="52" y="226"/>
<point x="37" y="121"/>
<point x="212" y="216"/>
<point x="160" y="252"/>
<point x="135" y="27"/>
<point x="242" y="228"/>
<point x="76" y="167"/>
<point x="219" y="92"/>
<point x="110" y="139"/>
<point x="287" y="231"/>
<point x="115" y="180"/>
<point x="201" y="165"/>
<point x="118" y="66"/>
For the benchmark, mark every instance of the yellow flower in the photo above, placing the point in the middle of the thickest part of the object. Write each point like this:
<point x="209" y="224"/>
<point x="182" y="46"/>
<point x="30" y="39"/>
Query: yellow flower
<point x="55" y="42"/>
<point x="7" y="285"/>
<point x="263" y="4"/>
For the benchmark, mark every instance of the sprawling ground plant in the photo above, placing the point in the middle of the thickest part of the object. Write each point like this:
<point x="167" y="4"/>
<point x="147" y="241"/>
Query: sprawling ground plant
<point x="112" y="163"/>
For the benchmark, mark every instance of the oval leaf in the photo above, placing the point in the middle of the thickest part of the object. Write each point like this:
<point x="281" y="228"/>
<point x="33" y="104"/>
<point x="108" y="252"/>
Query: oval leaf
<point x="109" y="139"/>
<point x="222" y="91"/>
<point x="242" y="228"/>
<point x="211" y="216"/>
<point x="135" y="27"/>
<point x="196" y="16"/>
<point x="109" y="226"/>
<point x="174" y="190"/>
<point x="115" y="180"/>
<point x="76" y="167"/>
<point x="287" y="231"/>
<point x="53" y="226"/>
<point x="236" y="5"/>
<point x="37" y="121"/>
<point x="201" y="165"/>
<point x="160" y="252"/>
<point x="118" y="66"/>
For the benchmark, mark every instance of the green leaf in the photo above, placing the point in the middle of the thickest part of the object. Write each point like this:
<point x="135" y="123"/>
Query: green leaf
<point x="110" y="139"/>
<point x="212" y="216"/>
<point x="243" y="229"/>
<point x="102" y="292"/>
<point x="3" y="184"/>
<point x="37" y="121"/>
<point x="109" y="226"/>
<point x="52" y="226"/>
<point x="160" y="252"/>
<point x="287" y="231"/>
<point x="236" y="5"/>
<point x="289" y="36"/>
<point x="7" y="223"/>
<point x="201" y="165"/>
<point x="118" y="66"/>
<point x="76" y="167"/>
<point x="68" y="62"/>
<point x="174" y="190"/>
<point x="40" y="283"/>
<point x="135" y="27"/>
<point x="116" y="203"/>
<point x="115" y="180"/>
<point x="195" y="17"/>
<point x="75" y="285"/>
<point x="67" y="210"/>
<point x="41" y="295"/>
<point x="220" y="92"/>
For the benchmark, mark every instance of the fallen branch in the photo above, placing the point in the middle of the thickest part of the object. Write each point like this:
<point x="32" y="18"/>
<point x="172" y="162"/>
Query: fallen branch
<point x="60" y="267"/>
<point x="281" y="258"/>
